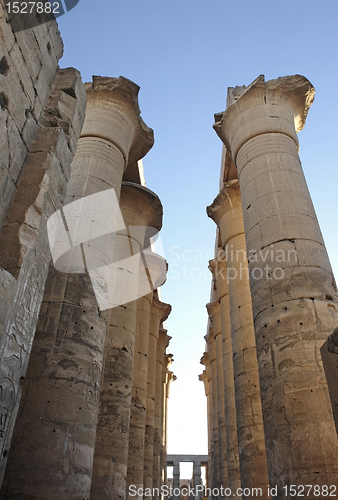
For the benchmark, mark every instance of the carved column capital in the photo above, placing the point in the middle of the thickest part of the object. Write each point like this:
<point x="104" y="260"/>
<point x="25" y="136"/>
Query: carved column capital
<point x="277" y="106"/>
<point x="142" y="207"/>
<point x="218" y="268"/>
<point x="214" y="312"/>
<point x="113" y="114"/>
<point x="226" y="211"/>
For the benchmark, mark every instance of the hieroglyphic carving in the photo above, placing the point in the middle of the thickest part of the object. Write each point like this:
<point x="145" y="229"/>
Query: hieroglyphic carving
<point x="19" y="330"/>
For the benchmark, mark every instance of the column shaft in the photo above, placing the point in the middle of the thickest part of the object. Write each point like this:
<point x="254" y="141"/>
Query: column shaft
<point x="218" y="267"/>
<point x="139" y="395"/>
<point x="159" y="312"/>
<point x="227" y="213"/>
<point x="140" y="207"/>
<point x="215" y="316"/>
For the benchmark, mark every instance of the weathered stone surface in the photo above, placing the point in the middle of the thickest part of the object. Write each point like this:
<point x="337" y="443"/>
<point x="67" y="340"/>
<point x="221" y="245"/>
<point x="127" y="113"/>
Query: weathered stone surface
<point x="158" y="313"/>
<point x="29" y="63"/>
<point x="140" y="207"/>
<point x="219" y="270"/>
<point x="226" y="211"/>
<point x="25" y="253"/>
<point x="295" y="302"/>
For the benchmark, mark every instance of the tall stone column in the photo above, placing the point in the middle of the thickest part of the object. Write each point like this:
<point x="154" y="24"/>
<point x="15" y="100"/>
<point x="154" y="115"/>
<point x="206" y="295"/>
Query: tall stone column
<point x="226" y="211"/>
<point x="140" y="207"/>
<point x="215" y="472"/>
<point x="215" y="315"/>
<point x="219" y="271"/>
<point x="294" y="293"/>
<point x="139" y="395"/>
<point x="206" y="377"/>
<point x="169" y="379"/>
<point x="176" y="479"/>
<point x="140" y="371"/>
<point x="197" y="474"/>
<point x="158" y="313"/>
<point x="162" y="344"/>
<point x="60" y="404"/>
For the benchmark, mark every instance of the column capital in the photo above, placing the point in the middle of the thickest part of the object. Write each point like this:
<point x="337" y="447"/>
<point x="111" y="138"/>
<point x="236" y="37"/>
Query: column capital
<point x="218" y="268"/>
<point x="204" y="378"/>
<point x="160" y="309"/>
<point x="163" y="340"/>
<point x="276" y="106"/>
<point x="214" y="312"/>
<point x="229" y="198"/>
<point x="142" y="207"/>
<point x="226" y="211"/>
<point x="113" y="114"/>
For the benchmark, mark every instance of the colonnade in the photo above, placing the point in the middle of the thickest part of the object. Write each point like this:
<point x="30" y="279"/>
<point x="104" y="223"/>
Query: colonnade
<point x="92" y="417"/>
<point x="273" y="304"/>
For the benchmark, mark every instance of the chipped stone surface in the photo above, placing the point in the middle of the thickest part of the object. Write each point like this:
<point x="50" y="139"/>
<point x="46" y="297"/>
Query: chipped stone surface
<point x="226" y="210"/>
<point x="25" y="254"/>
<point x="292" y="285"/>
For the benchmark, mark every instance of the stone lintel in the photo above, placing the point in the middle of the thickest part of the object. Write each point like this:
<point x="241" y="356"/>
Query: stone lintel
<point x="117" y="100"/>
<point x="293" y="93"/>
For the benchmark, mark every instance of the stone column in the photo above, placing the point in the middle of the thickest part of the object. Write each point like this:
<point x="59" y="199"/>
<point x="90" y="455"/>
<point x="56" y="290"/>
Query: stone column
<point x="170" y="378"/>
<point x="294" y="293"/>
<point x="162" y="344"/>
<point x="140" y="371"/>
<point x="197" y="479"/>
<point x="139" y="395"/>
<point x="59" y="413"/>
<point x="226" y="211"/>
<point x="176" y="479"/>
<point x="206" y="377"/>
<point x="214" y="313"/>
<point x="140" y="208"/>
<point x="219" y="271"/>
<point x="158" y="313"/>
<point x="215" y="469"/>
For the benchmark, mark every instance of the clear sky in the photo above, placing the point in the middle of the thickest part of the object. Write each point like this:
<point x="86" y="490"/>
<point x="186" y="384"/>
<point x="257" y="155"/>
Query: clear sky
<point x="184" y="54"/>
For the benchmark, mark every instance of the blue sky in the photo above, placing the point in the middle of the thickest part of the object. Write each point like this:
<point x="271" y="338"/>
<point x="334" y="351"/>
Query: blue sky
<point x="184" y="54"/>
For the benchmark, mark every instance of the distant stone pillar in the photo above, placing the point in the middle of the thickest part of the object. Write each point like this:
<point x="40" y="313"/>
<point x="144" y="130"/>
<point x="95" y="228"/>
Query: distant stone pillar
<point x="162" y="344"/>
<point x="206" y="377"/>
<point x="155" y="265"/>
<point x="169" y="379"/>
<point x="293" y="289"/>
<point x="226" y="211"/>
<point x="176" y="480"/>
<point x="53" y="456"/>
<point x="159" y="312"/>
<point x="215" y="315"/>
<point x="139" y="207"/>
<point x="219" y="271"/>
<point x="197" y="480"/>
<point x="215" y="472"/>
<point x="139" y="396"/>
